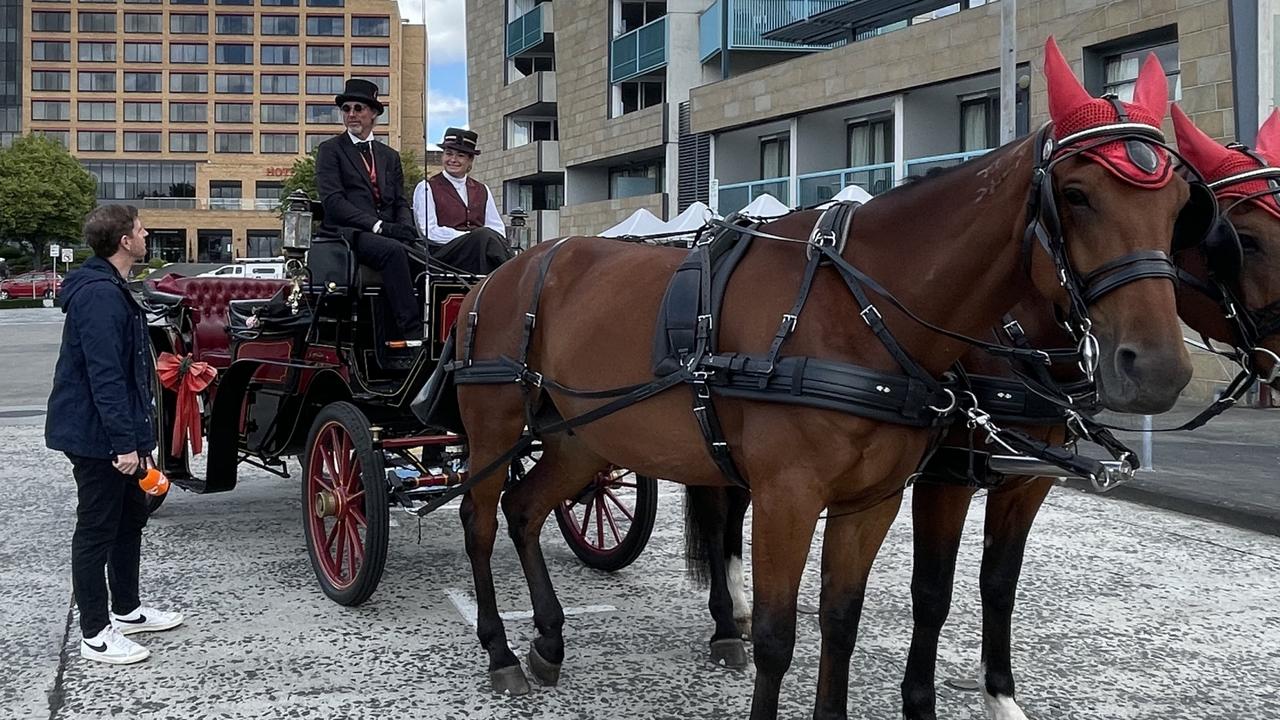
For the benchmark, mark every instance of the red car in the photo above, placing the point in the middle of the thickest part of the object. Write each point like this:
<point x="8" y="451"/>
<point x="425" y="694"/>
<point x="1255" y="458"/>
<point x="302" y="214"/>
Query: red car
<point x="31" y="285"/>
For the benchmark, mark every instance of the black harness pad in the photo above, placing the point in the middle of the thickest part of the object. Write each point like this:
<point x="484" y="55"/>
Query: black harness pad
<point x="677" y="330"/>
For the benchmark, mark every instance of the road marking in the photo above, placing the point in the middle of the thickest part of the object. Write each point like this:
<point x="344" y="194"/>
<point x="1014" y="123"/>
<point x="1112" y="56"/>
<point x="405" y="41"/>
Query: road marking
<point x="466" y="607"/>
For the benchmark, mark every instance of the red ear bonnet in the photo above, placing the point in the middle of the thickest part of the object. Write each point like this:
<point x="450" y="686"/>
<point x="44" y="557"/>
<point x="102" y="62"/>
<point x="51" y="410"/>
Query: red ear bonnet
<point x="1073" y="110"/>
<point x="1217" y="162"/>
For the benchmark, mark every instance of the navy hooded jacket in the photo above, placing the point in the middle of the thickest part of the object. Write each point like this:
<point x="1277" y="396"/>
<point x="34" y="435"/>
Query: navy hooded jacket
<point x="101" y="404"/>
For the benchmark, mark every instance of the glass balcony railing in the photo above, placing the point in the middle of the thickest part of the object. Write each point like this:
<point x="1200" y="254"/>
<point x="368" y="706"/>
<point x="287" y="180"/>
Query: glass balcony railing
<point x="640" y="51"/>
<point x="750" y="19"/>
<point x="733" y="198"/>
<point x="525" y="31"/>
<point x="920" y="166"/>
<point x="820" y="187"/>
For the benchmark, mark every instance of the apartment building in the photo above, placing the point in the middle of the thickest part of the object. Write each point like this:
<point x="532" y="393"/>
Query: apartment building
<point x="196" y="114"/>
<point x="590" y="109"/>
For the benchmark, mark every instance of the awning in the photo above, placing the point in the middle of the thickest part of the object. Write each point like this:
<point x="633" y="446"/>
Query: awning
<point x="843" y="21"/>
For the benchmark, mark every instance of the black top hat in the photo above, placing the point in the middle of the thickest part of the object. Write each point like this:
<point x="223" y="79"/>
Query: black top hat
<point x="360" y="91"/>
<point x="460" y="140"/>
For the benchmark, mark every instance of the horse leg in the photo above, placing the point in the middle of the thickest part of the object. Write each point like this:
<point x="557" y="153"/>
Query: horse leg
<point x="706" y="514"/>
<point x="739" y="500"/>
<point x="1010" y="513"/>
<point x="781" y="534"/>
<point x="849" y="548"/>
<point x="565" y="467"/>
<point x="938" y="513"/>
<point x="496" y="426"/>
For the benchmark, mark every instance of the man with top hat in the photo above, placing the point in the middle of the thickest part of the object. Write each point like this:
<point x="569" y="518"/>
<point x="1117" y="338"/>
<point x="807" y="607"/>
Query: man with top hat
<point x="457" y="212"/>
<point x="361" y="185"/>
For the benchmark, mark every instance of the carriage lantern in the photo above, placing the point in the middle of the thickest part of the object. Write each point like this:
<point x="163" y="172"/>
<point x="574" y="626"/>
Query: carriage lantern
<point x="518" y="230"/>
<point x="296" y="233"/>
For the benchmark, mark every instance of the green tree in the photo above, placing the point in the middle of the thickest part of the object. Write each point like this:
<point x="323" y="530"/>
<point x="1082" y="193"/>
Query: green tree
<point x="44" y="194"/>
<point x="303" y="175"/>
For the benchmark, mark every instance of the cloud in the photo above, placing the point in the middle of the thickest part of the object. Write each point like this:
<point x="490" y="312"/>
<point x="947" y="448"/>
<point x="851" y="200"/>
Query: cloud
<point x="439" y="103"/>
<point x="446" y="27"/>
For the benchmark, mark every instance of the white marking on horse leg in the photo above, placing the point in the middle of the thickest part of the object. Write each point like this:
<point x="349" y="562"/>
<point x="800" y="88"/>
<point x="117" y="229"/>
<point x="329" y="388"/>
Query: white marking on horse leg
<point x="999" y="707"/>
<point x="738" y="590"/>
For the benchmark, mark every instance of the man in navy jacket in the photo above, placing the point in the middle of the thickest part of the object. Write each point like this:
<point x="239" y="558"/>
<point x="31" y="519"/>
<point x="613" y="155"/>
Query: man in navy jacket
<point x="100" y="415"/>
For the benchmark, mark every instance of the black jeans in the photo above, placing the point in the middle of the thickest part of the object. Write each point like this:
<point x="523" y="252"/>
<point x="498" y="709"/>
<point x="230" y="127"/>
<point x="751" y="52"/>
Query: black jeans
<point x="111" y="513"/>
<point x="390" y="258"/>
<point x="480" y="251"/>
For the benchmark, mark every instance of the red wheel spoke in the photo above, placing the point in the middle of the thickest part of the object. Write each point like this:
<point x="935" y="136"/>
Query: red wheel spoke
<point x="340" y="526"/>
<point x="586" y="517"/>
<point x="356" y="551"/>
<point x="356" y="497"/>
<point x="353" y="475"/>
<point x="609" y="494"/>
<point x="333" y="534"/>
<point x="599" y="522"/>
<point x="326" y="454"/>
<point x="319" y="480"/>
<point x="613" y="526"/>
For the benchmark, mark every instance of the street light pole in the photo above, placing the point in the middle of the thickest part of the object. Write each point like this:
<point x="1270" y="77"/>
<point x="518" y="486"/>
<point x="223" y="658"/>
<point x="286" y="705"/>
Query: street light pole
<point x="1008" y="67"/>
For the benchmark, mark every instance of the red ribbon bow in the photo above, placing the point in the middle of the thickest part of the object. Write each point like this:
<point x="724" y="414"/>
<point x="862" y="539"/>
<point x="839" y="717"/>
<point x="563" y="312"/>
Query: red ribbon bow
<point x="188" y="378"/>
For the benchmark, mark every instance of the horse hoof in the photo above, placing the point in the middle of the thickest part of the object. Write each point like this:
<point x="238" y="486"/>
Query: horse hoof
<point x="544" y="671"/>
<point x="509" y="681"/>
<point x="730" y="653"/>
<point x="744" y="626"/>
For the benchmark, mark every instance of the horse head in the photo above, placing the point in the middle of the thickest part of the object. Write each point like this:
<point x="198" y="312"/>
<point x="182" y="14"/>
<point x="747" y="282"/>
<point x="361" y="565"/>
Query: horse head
<point x="1237" y="265"/>
<point x="1108" y="182"/>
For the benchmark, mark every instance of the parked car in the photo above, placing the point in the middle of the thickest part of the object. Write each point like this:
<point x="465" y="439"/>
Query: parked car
<point x="40" y="284"/>
<point x="250" y="269"/>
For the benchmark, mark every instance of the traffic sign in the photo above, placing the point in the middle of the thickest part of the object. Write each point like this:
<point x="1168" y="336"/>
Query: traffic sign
<point x="55" y="250"/>
<point x="68" y="255"/>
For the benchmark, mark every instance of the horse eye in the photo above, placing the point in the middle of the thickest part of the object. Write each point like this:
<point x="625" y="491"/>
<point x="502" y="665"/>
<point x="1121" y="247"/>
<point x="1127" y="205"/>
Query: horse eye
<point x="1248" y="243"/>
<point x="1076" y="197"/>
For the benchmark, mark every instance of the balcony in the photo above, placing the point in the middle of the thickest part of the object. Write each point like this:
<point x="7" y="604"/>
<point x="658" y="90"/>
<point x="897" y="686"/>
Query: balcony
<point x="226" y="204"/>
<point x="640" y="51"/>
<point x="532" y="158"/>
<point x="749" y="20"/>
<point x="528" y="32"/>
<point x="819" y="187"/>
<point x="733" y="198"/>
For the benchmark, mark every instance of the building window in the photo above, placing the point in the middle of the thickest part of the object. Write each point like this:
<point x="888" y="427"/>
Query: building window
<point x="167" y="245"/>
<point x="141" y="141"/>
<point x="213" y="246"/>
<point x="96" y="140"/>
<point x="635" y="13"/>
<point x="324" y="55"/>
<point x="233" y="24"/>
<point x="282" y="143"/>
<point x="189" y="2"/>
<point x="189" y="53"/>
<point x="278" y="113"/>
<point x="278" y="84"/>
<point x="325" y="3"/>
<point x="979" y="121"/>
<point x="324" y="25"/>
<point x="96" y="51"/>
<point x="268" y="190"/>
<point x="51" y="21"/>
<point x="279" y="54"/>
<point x="142" y="112"/>
<point x="382" y="81"/>
<point x="189" y="82"/>
<point x="870" y="141"/>
<point x="327" y="114"/>
<point x="97" y="22"/>
<point x="526" y="65"/>
<point x="224" y="194"/>
<point x="62" y="137"/>
<point x="640" y="94"/>
<point x="371" y="27"/>
<point x="536" y="196"/>
<point x="99" y="111"/>
<point x="143" y="2"/>
<point x="1120" y="70"/>
<point x="324" y="84"/>
<point x="184" y="112"/>
<point x="50" y="80"/>
<point x="263" y="243"/>
<point x="132" y="180"/>
<point x="143" y="52"/>
<point x="279" y="24"/>
<point x="775" y="156"/>
<point x="233" y="142"/>
<point x="96" y="81"/>
<point x="50" y="50"/>
<point x="188" y="142"/>
<point x="51" y="110"/>
<point x="235" y="2"/>
<point x="237" y="54"/>
<point x="526" y="130"/>
<point x="379" y="56"/>
<point x="237" y="84"/>
<point x="233" y="112"/>
<point x="635" y="180"/>
<point x="313" y="141"/>
<point x="142" y="82"/>
<point x="279" y="3"/>
<point x="189" y="24"/>
<point x="143" y="22"/>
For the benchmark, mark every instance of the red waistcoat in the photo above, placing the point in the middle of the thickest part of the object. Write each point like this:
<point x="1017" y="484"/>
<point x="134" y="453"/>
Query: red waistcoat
<point x="450" y="212"/>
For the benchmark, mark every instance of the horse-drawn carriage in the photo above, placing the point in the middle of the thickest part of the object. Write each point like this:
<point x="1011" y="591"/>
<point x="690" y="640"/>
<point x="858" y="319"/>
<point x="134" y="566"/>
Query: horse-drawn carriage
<point x="265" y="370"/>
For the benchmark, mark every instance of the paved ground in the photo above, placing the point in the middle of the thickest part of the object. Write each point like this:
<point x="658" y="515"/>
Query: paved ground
<point x="1125" y="612"/>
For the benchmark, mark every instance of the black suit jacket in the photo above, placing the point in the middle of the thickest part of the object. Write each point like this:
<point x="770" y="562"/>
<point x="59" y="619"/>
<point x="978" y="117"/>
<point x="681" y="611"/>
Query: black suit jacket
<point x="347" y="193"/>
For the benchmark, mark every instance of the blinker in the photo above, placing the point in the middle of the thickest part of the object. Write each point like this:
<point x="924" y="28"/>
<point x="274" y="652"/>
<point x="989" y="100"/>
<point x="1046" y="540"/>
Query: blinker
<point x="1142" y="156"/>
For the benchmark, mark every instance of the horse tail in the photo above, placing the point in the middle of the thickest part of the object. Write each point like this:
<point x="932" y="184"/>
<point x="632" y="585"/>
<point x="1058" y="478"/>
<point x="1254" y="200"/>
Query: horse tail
<point x="700" y="514"/>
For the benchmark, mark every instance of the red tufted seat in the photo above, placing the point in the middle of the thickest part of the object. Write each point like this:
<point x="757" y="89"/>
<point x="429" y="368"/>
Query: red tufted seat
<point x="207" y="299"/>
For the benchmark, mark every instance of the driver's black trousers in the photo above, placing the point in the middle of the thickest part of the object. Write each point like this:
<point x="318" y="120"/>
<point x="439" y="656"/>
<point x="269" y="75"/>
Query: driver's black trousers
<point x="390" y="258"/>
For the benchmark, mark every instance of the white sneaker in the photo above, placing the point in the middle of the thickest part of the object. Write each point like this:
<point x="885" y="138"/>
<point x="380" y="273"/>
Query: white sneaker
<point x="146" y="619"/>
<point x="109" y="646"/>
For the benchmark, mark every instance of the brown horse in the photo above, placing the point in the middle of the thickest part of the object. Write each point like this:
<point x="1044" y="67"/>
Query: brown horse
<point x="799" y="460"/>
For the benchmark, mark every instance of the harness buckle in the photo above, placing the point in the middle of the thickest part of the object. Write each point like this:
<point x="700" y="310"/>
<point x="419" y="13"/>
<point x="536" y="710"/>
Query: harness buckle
<point x="823" y="238"/>
<point x="707" y="320"/>
<point x="1012" y="328"/>
<point x="530" y="320"/>
<point x="867" y="314"/>
<point x="790" y="321"/>
<point x="951" y="397"/>
<point x="531" y="376"/>
<point x="703" y="392"/>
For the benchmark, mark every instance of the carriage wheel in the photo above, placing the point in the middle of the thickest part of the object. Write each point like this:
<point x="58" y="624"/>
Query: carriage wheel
<point x="608" y="524"/>
<point x="344" y="499"/>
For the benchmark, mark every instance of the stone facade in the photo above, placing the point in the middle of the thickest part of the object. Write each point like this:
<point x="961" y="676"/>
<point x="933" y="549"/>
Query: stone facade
<point x="591" y="218"/>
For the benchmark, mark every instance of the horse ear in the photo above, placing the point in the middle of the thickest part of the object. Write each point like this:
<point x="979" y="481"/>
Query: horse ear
<point x="1066" y="94"/>
<point x="1151" y="91"/>
<point x="1202" y="151"/>
<point x="1268" y="142"/>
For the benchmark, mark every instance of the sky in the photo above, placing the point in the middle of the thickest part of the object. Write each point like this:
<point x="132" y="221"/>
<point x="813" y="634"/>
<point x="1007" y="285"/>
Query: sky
<point x="447" y="62"/>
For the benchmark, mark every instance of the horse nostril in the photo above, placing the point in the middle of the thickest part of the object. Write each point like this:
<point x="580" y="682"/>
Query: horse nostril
<point x="1127" y="361"/>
